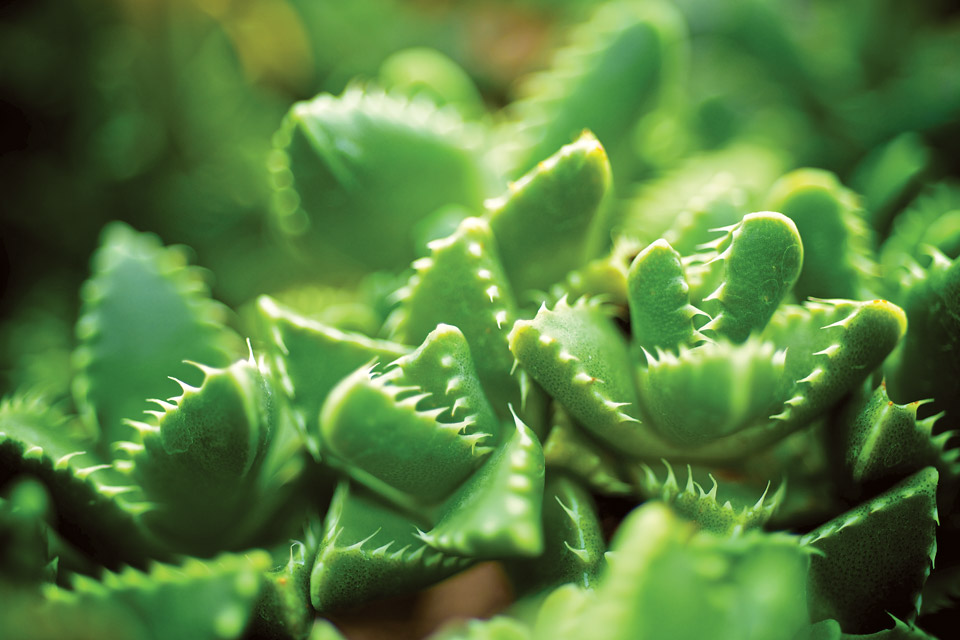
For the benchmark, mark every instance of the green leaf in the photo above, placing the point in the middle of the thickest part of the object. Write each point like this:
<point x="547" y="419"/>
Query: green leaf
<point x="580" y="358"/>
<point x="354" y="174"/>
<point x="497" y="511"/>
<point x="554" y="218"/>
<point x="665" y="580"/>
<point x="839" y="261"/>
<point x="198" y="461"/>
<point x="877" y="442"/>
<point x="661" y="315"/>
<point x="371" y="551"/>
<point x="144" y="313"/>
<point x="573" y="541"/>
<point x="97" y="509"/>
<point x="876" y="557"/>
<point x="418" y="428"/>
<point x="615" y="69"/>
<point x="927" y="364"/>
<point x="761" y="257"/>
<point x="463" y="284"/>
<point x="309" y="358"/>
<point x="692" y="502"/>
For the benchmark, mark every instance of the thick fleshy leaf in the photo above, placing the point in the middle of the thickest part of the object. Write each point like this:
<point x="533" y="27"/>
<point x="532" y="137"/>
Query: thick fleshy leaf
<point x="876" y="557"/>
<point x="579" y="357"/>
<point x="371" y="551"/>
<point x="497" y="511"/>
<point x="734" y="387"/>
<point x="691" y="501"/>
<point x="832" y="346"/>
<point x="309" y="358"/>
<point x="927" y="364"/>
<point x="570" y="448"/>
<point x="353" y="175"/>
<point x="283" y="610"/>
<point x="199" y="459"/>
<point x="97" y="510"/>
<point x="199" y="599"/>
<point x="877" y="442"/>
<point x="661" y="316"/>
<point x="838" y="254"/>
<point x="144" y="313"/>
<point x="415" y="431"/>
<point x="932" y="219"/>
<point x="666" y="580"/>
<point x="561" y="205"/>
<point x="573" y="541"/>
<point x="463" y="284"/>
<point x="761" y="257"/>
<point x="626" y="53"/>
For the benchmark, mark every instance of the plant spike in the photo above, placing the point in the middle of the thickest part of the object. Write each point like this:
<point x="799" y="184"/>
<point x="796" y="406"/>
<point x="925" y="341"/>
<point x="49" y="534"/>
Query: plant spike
<point x="876" y="442"/>
<point x="736" y="387"/>
<point x="309" y="358"/>
<point x="497" y="511"/>
<point x="573" y="542"/>
<point x="97" y="510"/>
<point x="369" y="551"/>
<point x="199" y="459"/>
<point x="932" y="219"/>
<point x="568" y="448"/>
<point x="579" y="357"/>
<point x="692" y="502"/>
<point x="666" y="580"/>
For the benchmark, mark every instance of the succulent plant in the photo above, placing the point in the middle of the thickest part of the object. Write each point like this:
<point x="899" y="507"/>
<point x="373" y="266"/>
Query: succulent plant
<point x="679" y="389"/>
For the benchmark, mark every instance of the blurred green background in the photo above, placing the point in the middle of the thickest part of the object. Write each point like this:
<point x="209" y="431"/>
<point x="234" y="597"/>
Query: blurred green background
<point x="161" y="113"/>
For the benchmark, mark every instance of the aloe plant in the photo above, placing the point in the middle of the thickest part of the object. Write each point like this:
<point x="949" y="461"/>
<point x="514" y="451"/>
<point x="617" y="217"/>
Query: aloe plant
<point x="670" y="390"/>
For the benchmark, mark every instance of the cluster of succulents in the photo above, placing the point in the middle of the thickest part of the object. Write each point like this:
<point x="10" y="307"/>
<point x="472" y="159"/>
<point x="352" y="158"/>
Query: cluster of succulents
<point x="671" y="393"/>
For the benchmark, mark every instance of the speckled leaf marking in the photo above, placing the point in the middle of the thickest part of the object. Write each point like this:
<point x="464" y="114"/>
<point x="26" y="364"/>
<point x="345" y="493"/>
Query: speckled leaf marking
<point x="876" y="557"/>
<point x="370" y="550"/>
<point x="878" y="441"/>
